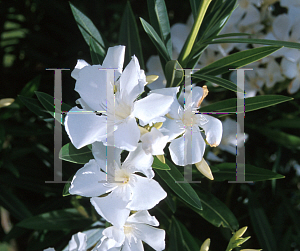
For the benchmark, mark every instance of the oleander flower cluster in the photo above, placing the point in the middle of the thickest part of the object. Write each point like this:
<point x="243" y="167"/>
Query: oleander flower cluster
<point x="126" y="129"/>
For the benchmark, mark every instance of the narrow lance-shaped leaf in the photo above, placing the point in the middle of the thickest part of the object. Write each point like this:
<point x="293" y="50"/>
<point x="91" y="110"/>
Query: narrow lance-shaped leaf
<point x="56" y="220"/>
<point x="261" y="225"/>
<point x="156" y="40"/>
<point x="256" y="41"/>
<point x="88" y="29"/>
<point x="220" y="81"/>
<point x="215" y="211"/>
<point x="227" y="171"/>
<point x="251" y="104"/>
<point x="96" y="52"/>
<point x="80" y="156"/>
<point x="183" y="190"/>
<point x="159" y="20"/>
<point x="237" y="60"/>
<point x="176" y="237"/>
<point x="129" y="36"/>
<point x="174" y="73"/>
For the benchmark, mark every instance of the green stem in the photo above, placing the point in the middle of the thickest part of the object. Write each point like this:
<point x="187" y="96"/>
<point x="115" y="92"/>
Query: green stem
<point x="187" y="48"/>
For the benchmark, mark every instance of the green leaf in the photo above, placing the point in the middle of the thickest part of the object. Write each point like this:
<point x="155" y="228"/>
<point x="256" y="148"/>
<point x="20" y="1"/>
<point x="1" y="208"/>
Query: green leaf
<point x="183" y="190"/>
<point x="159" y="20"/>
<point x="156" y="40"/>
<point x="188" y="240"/>
<point x="129" y="36"/>
<point x="174" y="73"/>
<point x="48" y="102"/>
<point x="220" y="81"/>
<point x="251" y="104"/>
<point x="96" y="52"/>
<point x="261" y="225"/>
<point x="34" y="106"/>
<point x="31" y="87"/>
<point x="194" y="6"/>
<point x="13" y="204"/>
<point x="282" y="138"/>
<point x="257" y="41"/>
<point x="215" y="211"/>
<point x="237" y="60"/>
<point x="285" y="123"/>
<point x="80" y="156"/>
<point x="157" y="164"/>
<point x="88" y="29"/>
<point x="227" y="171"/>
<point x="56" y="220"/>
<point x="176" y="237"/>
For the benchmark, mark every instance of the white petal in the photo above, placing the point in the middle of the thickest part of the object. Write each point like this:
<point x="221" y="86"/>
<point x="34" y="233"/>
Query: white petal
<point x="114" y="58"/>
<point x="115" y="234"/>
<point x="133" y="246"/>
<point x="195" y="147"/>
<point x="154" y="68"/>
<point x="80" y="64"/>
<point x="140" y="187"/>
<point x="139" y="161"/>
<point x="49" y="249"/>
<point x="107" y="244"/>
<point x="194" y="96"/>
<point x="252" y="16"/>
<point x="86" y="181"/>
<point x="294" y="86"/>
<point x="99" y="152"/>
<point x="91" y="86"/>
<point x="113" y="206"/>
<point x="132" y="81"/>
<point x="281" y="27"/>
<point x="213" y="130"/>
<point x="289" y="68"/>
<point x="143" y="217"/>
<point x="152" y="106"/>
<point x="172" y="128"/>
<point x="127" y="135"/>
<point x="154" y="142"/>
<point x="84" y="128"/>
<point x="152" y="236"/>
<point x="78" y="242"/>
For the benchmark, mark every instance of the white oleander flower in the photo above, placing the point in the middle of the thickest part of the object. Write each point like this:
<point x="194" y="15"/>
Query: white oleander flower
<point x="182" y="126"/>
<point x="121" y="108"/>
<point x="77" y="243"/>
<point x="292" y="70"/>
<point x="127" y="190"/>
<point x="137" y="228"/>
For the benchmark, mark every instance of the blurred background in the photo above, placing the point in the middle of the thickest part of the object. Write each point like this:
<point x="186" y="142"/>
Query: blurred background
<point x="41" y="34"/>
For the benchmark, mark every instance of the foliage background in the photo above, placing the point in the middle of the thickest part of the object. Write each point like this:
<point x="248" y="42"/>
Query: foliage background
<point x="38" y="34"/>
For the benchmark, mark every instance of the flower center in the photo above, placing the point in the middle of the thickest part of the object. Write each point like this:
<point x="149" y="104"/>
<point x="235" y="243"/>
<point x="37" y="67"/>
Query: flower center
<point x="188" y="118"/>
<point x="122" y="111"/>
<point x="122" y="175"/>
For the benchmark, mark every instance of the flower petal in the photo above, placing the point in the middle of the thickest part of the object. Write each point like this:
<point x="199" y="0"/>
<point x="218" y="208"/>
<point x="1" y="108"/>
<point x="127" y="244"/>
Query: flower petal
<point x="143" y="217"/>
<point x="78" y="242"/>
<point x="139" y="161"/>
<point x="132" y="245"/>
<point x="91" y="86"/>
<point x="154" y="142"/>
<point x="113" y="206"/>
<point x="294" y="86"/>
<point x="154" y="237"/>
<point x="86" y="181"/>
<point x="100" y="154"/>
<point x="84" y="128"/>
<point x="140" y="187"/>
<point x="108" y="244"/>
<point x="213" y="130"/>
<point x="80" y="64"/>
<point x="172" y="128"/>
<point x="132" y="81"/>
<point x="127" y="135"/>
<point x="281" y="27"/>
<point x="114" y="58"/>
<point x="152" y="106"/>
<point x="195" y="147"/>
<point x="115" y="234"/>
